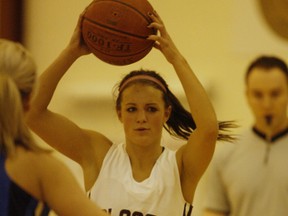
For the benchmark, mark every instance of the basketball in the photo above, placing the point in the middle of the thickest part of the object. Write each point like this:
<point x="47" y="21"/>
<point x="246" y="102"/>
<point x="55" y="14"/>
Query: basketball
<point x="116" y="30"/>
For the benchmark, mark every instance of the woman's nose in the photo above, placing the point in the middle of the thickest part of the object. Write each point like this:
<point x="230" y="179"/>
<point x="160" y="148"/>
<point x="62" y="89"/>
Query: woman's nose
<point x="141" y="116"/>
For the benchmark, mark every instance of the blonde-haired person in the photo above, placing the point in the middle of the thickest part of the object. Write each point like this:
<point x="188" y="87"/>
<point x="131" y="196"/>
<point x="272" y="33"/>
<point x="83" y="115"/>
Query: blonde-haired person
<point x="33" y="182"/>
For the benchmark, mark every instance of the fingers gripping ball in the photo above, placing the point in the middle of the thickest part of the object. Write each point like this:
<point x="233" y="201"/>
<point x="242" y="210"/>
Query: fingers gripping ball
<point x="116" y="30"/>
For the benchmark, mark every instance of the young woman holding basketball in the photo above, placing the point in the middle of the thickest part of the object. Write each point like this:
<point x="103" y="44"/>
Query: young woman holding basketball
<point x="32" y="181"/>
<point x="138" y="177"/>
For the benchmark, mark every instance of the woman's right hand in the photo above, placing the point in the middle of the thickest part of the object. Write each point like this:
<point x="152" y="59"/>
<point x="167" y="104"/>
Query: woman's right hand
<point x="77" y="44"/>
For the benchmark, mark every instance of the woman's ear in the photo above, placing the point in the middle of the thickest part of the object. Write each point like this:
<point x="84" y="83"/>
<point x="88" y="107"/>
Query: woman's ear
<point x="167" y="113"/>
<point x="119" y="115"/>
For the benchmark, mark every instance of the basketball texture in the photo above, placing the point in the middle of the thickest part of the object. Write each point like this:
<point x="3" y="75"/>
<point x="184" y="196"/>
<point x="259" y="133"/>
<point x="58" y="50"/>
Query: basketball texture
<point x="116" y="30"/>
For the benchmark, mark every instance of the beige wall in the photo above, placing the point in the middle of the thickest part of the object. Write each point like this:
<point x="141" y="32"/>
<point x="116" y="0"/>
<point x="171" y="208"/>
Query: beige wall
<point x="218" y="38"/>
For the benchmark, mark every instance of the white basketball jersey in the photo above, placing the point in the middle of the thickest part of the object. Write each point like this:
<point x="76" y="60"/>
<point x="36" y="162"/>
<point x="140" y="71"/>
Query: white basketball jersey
<point x="119" y="194"/>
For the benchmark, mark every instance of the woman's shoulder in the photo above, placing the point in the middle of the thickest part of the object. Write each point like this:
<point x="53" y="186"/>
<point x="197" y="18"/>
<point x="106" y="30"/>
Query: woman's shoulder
<point x="39" y="165"/>
<point x="26" y="159"/>
<point x="39" y="159"/>
<point x="24" y="169"/>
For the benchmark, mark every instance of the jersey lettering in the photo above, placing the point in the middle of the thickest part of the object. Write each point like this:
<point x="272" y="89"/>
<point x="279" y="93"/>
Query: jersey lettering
<point x="126" y="212"/>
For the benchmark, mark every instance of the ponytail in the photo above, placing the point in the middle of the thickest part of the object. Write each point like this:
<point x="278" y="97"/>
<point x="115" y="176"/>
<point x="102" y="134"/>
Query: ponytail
<point x="17" y="80"/>
<point x="12" y="127"/>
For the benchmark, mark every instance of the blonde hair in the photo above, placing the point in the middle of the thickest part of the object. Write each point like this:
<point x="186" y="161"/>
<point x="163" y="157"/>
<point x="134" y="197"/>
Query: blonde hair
<point x="17" y="81"/>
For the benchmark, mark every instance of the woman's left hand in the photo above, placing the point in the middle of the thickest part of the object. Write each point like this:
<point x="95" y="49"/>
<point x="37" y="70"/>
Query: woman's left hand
<point x="163" y="41"/>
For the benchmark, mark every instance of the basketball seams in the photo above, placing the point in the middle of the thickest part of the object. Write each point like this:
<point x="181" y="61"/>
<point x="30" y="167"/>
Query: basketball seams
<point x="114" y="29"/>
<point x="147" y="48"/>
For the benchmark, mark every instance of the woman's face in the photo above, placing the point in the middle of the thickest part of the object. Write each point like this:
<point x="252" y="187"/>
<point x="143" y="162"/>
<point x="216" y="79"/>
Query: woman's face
<point x="143" y="114"/>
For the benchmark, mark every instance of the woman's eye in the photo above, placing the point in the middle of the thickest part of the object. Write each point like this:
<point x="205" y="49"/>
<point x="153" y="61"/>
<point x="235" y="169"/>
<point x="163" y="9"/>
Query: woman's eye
<point x="152" y="109"/>
<point x="131" y="109"/>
